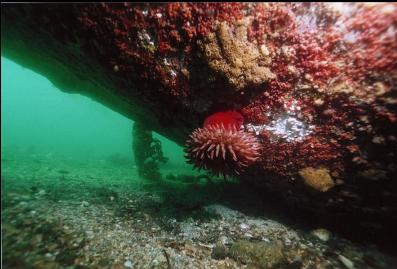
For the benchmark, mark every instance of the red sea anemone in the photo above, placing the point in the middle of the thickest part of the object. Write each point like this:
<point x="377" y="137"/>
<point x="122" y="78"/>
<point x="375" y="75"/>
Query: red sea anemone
<point x="221" y="146"/>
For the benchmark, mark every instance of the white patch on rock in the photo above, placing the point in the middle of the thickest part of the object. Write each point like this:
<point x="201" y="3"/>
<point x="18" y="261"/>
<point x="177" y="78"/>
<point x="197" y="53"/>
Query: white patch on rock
<point x="289" y="128"/>
<point x="286" y="125"/>
<point x="145" y="38"/>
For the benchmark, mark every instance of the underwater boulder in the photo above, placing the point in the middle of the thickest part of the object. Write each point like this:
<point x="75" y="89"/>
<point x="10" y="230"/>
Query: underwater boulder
<point x="315" y="83"/>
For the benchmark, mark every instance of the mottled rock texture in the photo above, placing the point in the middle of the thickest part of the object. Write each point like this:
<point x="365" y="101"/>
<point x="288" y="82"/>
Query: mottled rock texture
<point x="316" y="83"/>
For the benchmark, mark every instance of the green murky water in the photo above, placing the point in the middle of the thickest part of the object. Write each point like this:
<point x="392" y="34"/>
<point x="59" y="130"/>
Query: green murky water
<point x="38" y="118"/>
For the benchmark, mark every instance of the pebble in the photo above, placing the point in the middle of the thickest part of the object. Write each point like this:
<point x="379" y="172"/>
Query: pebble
<point x="378" y="140"/>
<point x="346" y="262"/>
<point x="248" y="235"/>
<point x="128" y="264"/>
<point x="41" y="192"/>
<point x="318" y="102"/>
<point x="264" y="50"/>
<point x="48" y="255"/>
<point x="287" y="241"/>
<point x="219" y="251"/>
<point x="244" y="226"/>
<point x="322" y="234"/>
<point x="224" y="240"/>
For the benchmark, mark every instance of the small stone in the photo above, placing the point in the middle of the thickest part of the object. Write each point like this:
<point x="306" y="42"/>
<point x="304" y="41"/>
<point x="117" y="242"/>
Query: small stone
<point x="318" y="102"/>
<point x="390" y="100"/>
<point x="304" y="87"/>
<point x="378" y="140"/>
<point x="219" y="251"/>
<point x="116" y="68"/>
<point x="185" y="72"/>
<point x="287" y="242"/>
<point x="264" y="50"/>
<point x="248" y="235"/>
<point x="359" y="160"/>
<point x="346" y="262"/>
<point x="244" y="226"/>
<point x="339" y="182"/>
<point x="41" y="192"/>
<point x="48" y="255"/>
<point x="286" y="51"/>
<point x="392" y="138"/>
<point x="259" y="255"/>
<point x="364" y="119"/>
<point x="128" y="264"/>
<point x="329" y="112"/>
<point x="308" y="77"/>
<point x="379" y="88"/>
<point x="292" y="70"/>
<point x="224" y="240"/>
<point x="322" y="234"/>
<point x="90" y="234"/>
<point x="373" y="174"/>
<point x="84" y="203"/>
<point x="341" y="87"/>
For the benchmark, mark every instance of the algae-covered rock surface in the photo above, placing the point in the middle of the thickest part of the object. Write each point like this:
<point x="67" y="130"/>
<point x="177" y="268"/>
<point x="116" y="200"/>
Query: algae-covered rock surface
<point x="314" y="83"/>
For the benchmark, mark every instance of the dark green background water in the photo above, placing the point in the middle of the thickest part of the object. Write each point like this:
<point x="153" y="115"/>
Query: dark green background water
<point x="36" y="117"/>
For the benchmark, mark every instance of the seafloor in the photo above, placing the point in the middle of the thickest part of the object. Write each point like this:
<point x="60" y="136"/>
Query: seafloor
<point x="61" y="213"/>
